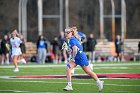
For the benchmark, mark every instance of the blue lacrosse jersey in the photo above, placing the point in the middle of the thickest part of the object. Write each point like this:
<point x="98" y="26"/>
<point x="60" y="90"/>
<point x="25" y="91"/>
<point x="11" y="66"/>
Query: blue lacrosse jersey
<point x="80" y="58"/>
<point x="82" y="36"/>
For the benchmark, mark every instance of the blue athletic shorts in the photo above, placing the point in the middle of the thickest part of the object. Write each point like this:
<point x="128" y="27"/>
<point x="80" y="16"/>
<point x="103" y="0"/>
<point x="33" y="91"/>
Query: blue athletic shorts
<point x="81" y="59"/>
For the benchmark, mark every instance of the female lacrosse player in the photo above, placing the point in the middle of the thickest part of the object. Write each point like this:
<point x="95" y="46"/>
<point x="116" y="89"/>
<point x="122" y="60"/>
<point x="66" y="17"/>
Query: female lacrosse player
<point x="78" y="58"/>
<point x="16" y="51"/>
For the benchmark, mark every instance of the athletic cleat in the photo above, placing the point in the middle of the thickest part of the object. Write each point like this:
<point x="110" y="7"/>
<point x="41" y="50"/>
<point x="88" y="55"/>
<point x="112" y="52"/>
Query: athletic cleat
<point x="16" y="70"/>
<point x="23" y="61"/>
<point x="68" y="88"/>
<point x="100" y="86"/>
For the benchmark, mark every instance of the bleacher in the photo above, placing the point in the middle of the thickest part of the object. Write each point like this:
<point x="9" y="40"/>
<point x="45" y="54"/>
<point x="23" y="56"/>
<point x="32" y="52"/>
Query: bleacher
<point x="30" y="49"/>
<point x="104" y="48"/>
<point x="107" y="48"/>
<point x="131" y="45"/>
<point x="131" y="48"/>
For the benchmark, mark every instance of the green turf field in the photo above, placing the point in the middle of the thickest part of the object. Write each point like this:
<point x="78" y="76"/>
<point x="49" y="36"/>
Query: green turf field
<point x="120" y="85"/>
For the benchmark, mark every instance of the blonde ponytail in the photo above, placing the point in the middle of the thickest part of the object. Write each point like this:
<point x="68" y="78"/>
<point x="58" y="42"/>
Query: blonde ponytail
<point x="75" y="33"/>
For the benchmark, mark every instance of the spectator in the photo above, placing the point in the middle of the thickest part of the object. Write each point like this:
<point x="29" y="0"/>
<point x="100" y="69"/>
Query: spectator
<point x="41" y="49"/>
<point x="5" y="50"/>
<point x="0" y="54"/>
<point x="23" y="50"/>
<point x="139" y="47"/>
<point x="62" y="54"/>
<point x="118" y="46"/>
<point x="55" y="44"/>
<point x="9" y="37"/>
<point x="33" y="58"/>
<point x="110" y="58"/>
<point x="49" y="57"/>
<point x="91" y="42"/>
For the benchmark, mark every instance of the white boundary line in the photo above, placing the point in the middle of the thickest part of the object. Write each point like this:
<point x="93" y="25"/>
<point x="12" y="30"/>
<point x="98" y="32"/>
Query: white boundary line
<point x="94" y="83"/>
<point x="64" y="65"/>
<point x="125" y="91"/>
<point x="25" y="91"/>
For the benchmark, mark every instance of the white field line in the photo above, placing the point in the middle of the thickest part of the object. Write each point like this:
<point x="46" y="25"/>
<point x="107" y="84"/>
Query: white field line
<point x="19" y="91"/>
<point x="66" y="82"/>
<point x="64" y="65"/>
<point x="12" y="91"/>
<point x="33" y="66"/>
<point x="125" y="91"/>
<point x="25" y="91"/>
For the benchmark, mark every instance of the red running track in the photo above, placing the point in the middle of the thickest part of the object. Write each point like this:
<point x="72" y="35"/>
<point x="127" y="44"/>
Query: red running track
<point x="83" y="76"/>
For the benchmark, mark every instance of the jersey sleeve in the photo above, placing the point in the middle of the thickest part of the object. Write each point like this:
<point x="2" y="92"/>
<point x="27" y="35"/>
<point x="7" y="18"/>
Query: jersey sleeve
<point x="72" y="42"/>
<point x="18" y="41"/>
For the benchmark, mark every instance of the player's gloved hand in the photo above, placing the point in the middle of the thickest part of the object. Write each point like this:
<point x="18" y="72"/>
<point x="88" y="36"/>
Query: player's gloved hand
<point x="69" y="51"/>
<point x="65" y="46"/>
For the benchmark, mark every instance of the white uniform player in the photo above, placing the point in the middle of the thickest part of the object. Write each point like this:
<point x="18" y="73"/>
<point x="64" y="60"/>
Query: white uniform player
<point x="15" y="43"/>
<point x="16" y="51"/>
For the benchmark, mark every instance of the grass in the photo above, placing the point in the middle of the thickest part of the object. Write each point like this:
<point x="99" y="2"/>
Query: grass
<point x="14" y="85"/>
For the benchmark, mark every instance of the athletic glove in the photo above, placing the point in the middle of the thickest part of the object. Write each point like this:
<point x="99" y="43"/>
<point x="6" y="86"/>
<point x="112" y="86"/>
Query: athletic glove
<point x="65" y="46"/>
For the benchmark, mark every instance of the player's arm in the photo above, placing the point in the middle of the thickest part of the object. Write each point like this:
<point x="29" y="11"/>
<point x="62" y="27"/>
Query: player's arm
<point x="74" y="49"/>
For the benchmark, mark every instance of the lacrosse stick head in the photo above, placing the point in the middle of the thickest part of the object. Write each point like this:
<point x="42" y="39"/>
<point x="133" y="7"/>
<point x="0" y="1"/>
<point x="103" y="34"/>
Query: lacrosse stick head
<point x="65" y="46"/>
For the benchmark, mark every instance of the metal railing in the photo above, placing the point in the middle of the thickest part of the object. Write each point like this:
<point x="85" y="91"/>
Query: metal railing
<point x="113" y="16"/>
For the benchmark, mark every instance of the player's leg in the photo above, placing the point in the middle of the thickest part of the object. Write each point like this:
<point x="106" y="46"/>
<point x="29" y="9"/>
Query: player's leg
<point x="23" y="59"/>
<point x="72" y="71"/>
<point x="2" y="58"/>
<point x="94" y="76"/>
<point x="93" y="56"/>
<point x="7" y="58"/>
<point x="89" y="72"/>
<point x="69" y="67"/>
<point x="118" y="60"/>
<point x="15" y="62"/>
<point x="39" y="55"/>
<point x="43" y="56"/>
<point x="65" y="56"/>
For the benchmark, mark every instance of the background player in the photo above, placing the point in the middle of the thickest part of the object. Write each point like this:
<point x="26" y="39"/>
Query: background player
<point x="16" y="51"/>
